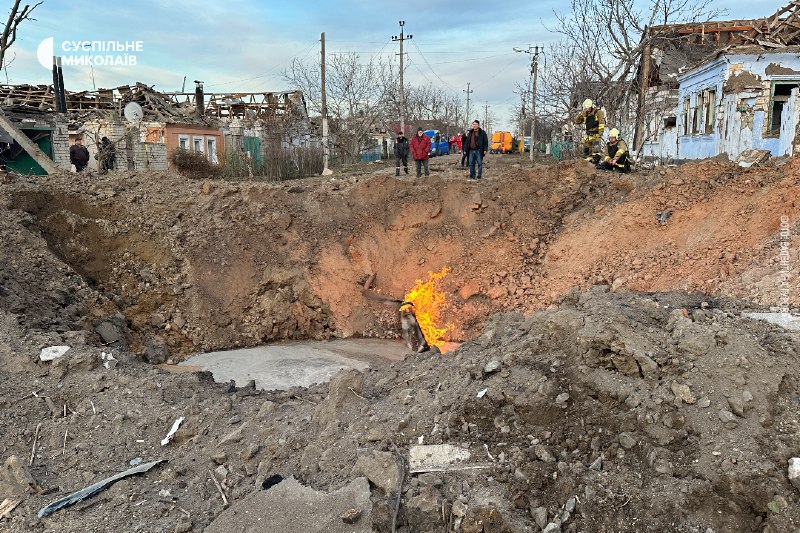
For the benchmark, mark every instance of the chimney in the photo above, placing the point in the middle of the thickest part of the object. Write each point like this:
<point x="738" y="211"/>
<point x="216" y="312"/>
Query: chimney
<point x="62" y="94"/>
<point x="199" y="101"/>
<point x="56" y="90"/>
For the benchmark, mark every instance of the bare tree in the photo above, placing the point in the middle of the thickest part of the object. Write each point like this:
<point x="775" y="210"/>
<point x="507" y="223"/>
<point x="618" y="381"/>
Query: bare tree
<point x="15" y="18"/>
<point x="356" y="96"/>
<point x="603" y="43"/>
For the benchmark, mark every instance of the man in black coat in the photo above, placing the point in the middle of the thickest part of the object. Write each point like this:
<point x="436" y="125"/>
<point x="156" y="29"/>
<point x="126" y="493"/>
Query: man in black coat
<point x="401" y="153"/>
<point x="476" y="146"/>
<point x="78" y="155"/>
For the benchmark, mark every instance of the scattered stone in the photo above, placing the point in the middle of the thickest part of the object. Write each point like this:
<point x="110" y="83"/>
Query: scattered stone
<point x="351" y="516"/>
<point x="381" y="468"/>
<point x="562" y="398"/>
<point x="543" y="454"/>
<point x="704" y="402"/>
<point x="492" y="366"/>
<point x="540" y="516"/>
<point x="683" y="392"/>
<point x="233" y="436"/>
<point x="627" y="441"/>
<point x="794" y="472"/>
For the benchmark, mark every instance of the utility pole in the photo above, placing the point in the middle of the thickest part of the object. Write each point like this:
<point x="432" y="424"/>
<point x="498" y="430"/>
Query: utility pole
<point x="325" y="147"/>
<point x="402" y="38"/>
<point x="486" y="117"/>
<point x="534" y="51"/>
<point x="535" y="71"/>
<point x="468" y="91"/>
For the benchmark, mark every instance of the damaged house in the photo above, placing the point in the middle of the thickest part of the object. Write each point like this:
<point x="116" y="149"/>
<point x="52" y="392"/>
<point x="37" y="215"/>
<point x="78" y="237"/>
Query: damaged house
<point x="738" y="93"/>
<point x="145" y="125"/>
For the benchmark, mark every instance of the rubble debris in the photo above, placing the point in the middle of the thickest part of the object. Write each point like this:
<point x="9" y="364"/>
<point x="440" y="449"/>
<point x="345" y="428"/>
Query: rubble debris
<point x="173" y="429"/>
<point x="436" y="457"/>
<point x="8" y="505"/>
<point x="750" y="158"/>
<point x="94" y="489"/>
<point x="52" y="352"/>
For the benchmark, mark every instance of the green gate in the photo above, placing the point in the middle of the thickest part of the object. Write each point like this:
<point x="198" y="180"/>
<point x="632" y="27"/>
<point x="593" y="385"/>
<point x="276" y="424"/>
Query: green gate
<point x="252" y="145"/>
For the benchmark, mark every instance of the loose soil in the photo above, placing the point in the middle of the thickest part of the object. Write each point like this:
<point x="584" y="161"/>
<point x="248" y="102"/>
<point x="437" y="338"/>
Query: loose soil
<point x="623" y="392"/>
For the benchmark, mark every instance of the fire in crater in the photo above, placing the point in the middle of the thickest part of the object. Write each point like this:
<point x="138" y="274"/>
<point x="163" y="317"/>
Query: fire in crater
<point x="429" y="303"/>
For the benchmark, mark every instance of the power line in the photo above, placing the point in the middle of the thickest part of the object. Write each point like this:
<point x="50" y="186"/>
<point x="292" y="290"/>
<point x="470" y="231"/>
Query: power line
<point x="268" y="72"/>
<point x="431" y="68"/>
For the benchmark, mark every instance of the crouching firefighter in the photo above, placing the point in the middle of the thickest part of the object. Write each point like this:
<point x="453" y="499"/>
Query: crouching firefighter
<point x="617" y="157"/>
<point x="595" y="121"/>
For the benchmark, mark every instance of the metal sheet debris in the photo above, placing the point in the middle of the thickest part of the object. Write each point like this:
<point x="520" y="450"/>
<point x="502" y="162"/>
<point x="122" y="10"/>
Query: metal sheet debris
<point x="91" y="490"/>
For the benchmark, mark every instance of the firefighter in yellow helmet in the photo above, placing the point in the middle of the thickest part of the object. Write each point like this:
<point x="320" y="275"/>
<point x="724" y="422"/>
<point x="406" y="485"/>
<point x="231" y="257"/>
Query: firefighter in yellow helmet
<point x="595" y="121"/>
<point x="617" y="157"/>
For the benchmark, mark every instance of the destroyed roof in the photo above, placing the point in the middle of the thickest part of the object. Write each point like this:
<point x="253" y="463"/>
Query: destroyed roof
<point x="673" y="46"/>
<point x="746" y="50"/>
<point x="157" y="106"/>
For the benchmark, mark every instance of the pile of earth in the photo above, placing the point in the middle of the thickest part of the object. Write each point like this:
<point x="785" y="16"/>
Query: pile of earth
<point x="608" y="412"/>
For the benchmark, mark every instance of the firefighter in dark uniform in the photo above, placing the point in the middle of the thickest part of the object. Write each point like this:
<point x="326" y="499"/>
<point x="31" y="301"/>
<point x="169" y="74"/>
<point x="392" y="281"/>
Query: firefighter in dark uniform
<point x="617" y="157"/>
<point x="595" y="121"/>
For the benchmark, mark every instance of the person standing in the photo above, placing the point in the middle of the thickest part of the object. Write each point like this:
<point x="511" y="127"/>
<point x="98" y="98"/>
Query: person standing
<point x="106" y="155"/>
<point x="78" y="155"/>
<point x="464" y="147"/>
<point x="595" y="121"/>
<point x="476" y="145"/>
<point x="420" y="151"/>
<point x="400" y="153"/>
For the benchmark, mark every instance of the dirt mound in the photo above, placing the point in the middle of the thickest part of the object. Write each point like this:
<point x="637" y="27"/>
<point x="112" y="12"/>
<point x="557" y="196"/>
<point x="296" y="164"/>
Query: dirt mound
<point x="611" y="412"/>
<point x="606" y="410"/>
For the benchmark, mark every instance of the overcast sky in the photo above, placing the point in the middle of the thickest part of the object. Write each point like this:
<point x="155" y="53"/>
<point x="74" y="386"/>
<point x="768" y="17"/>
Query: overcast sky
<point x="244" y="45"/>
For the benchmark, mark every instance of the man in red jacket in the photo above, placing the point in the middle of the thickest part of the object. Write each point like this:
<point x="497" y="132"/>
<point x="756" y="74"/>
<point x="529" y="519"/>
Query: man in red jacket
<point x="420" y="150"/>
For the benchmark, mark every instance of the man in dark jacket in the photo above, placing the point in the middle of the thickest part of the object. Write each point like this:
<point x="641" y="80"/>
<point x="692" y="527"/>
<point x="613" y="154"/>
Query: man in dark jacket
<point x="420" y="151"/>
<point x="78" y="155"/>
<point x="476" y="145"/>
<point x="401" y="153"/>
<point x="106" y="155"/>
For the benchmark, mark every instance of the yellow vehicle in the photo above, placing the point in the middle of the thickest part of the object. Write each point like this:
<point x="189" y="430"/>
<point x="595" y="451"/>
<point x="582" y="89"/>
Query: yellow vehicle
<point x="502" y="142"/>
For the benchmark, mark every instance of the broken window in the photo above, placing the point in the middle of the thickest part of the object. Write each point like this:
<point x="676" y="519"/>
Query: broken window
<point x="183" y="142"/>
<point x="781" y="91"/>
<point x="670" y="122"/>
<point x="686" y="112"/>
<point x="198" y="144"/>
<point x="710" y="109"/>
<point x="211" y="152"/>
<point x="696" y="115"/>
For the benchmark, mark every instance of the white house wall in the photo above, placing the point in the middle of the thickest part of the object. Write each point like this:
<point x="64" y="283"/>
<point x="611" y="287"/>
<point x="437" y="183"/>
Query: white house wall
<point x="742" y="112"/>
<point x="710" y="76"/>
<point x="660" y="142"/>
<point x="790" y="136"/>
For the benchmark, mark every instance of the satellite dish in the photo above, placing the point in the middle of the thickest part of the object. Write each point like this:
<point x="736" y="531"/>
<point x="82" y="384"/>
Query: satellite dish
<point x="133" y="112"/>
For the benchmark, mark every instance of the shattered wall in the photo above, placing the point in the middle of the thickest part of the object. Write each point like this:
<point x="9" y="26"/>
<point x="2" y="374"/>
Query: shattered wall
<point x="661" y="131"/>
<point x="743" y="86"/>
<point x="139" y="146"/>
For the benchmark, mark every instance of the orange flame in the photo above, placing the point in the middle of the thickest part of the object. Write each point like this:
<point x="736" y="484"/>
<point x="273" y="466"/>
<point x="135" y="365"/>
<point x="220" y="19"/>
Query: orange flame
<point x="429" y="303"/>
